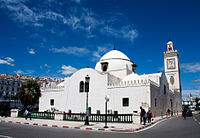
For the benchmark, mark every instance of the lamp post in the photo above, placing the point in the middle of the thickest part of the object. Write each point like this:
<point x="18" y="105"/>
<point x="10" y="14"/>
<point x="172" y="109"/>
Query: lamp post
<point x="107" y="99"/>
<point x="87" y="80"/>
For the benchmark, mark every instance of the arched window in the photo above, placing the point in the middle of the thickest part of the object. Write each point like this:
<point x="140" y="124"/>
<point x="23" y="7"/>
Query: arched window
<point x="170" y="48"/>
<point x="81" y="88"/>
<point x="134" y="67"/>
<point x="104" y="66"/>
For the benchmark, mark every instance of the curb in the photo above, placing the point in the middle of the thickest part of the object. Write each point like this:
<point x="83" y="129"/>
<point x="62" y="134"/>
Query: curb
<point x="54" y="126"/>
<point x="147" y="125"/>
<point x="88" y="128"/>
<point x="101" y="129"/>
<point x="65" y="127"/>
<point x="114" y="130"/>
<point x="77" y="127"/>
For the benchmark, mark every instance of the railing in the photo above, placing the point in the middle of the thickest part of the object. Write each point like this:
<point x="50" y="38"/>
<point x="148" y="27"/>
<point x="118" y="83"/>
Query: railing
<point x="73" y="117"/>
<point x="39" y="115"/>
<point x="119" y="118"/>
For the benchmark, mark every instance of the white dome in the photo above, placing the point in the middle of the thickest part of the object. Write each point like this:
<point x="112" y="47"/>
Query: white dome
<point x="114" y="60"/>
<point x="131" y="77"/>
<point x="114" y="54"/>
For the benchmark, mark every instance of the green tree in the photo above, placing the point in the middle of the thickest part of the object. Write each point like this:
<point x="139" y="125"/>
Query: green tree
<point x="29" y="93"/>
<point x="197" y="100"/>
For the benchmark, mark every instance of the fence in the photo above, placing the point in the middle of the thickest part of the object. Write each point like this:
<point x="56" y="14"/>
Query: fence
<point x="119" y="118"/>
<point x="38" y="115"/>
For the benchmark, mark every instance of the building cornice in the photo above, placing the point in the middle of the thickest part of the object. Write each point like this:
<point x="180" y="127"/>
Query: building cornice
<point x="170" y="54"/>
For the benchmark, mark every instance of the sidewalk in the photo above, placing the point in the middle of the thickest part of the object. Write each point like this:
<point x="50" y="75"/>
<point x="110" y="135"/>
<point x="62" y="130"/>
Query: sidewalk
<point x="96" y="126"/>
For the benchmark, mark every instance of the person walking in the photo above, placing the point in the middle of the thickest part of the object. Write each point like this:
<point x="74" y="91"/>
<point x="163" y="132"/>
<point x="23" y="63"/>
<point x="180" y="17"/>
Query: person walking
<point x="143" y="115"/>
<point x="140" y="115"/>
<point x="149" y="116"/>
<point x="184" y="113"/>
<point x="168" y="112"/>
<point x="28" y="112"/>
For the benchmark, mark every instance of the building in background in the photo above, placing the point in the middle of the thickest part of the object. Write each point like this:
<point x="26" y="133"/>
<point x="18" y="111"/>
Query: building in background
<point x="10" y="85"/>
<point x="115" y="75"/>
<point x="190" y="102"/>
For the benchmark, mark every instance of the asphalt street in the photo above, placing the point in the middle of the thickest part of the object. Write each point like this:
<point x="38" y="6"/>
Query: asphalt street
<point x="170" y="128"/>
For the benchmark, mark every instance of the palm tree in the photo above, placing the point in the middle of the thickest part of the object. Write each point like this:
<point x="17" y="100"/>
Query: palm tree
<point x="197" y="100"/>
<point x="29" y="93"/>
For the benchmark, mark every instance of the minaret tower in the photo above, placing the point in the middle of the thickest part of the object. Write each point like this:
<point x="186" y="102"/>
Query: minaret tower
<point x="172" y="68"/>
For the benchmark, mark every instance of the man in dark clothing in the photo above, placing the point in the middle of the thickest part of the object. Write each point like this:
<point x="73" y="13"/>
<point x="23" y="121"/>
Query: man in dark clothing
<point x="149" y="116"/>
<point x="168" y="112"/>
<point x="184" y="113"/>
<point x="142" y="115"/>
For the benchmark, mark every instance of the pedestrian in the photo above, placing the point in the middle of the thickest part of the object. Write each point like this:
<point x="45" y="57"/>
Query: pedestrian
<point x="140" y="115"/>
<point x="5" y="110"/>
<point x="168" y="112"/>
<point x="1" y="110"/>
<point x="143" y="115"/>
<point x="184" y="113"/>
<point x="28" y="112"/>
<point x="149" y="116"/>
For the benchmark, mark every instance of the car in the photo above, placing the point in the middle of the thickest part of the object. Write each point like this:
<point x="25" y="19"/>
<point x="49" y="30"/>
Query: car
<point x="189" y="113"/>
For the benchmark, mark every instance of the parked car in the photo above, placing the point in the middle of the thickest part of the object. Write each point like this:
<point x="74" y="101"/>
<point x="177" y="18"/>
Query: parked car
<point x="189" y="113"/>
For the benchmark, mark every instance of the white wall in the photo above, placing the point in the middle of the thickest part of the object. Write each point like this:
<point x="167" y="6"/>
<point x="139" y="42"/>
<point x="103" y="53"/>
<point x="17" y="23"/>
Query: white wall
<point x="164" y="100"/>
<point x="76" y="101"/>
<point x="44" y="101"/>
<point x="137" y="95"/>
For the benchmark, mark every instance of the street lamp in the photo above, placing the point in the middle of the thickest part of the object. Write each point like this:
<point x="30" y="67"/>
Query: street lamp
<point x="87" y="80"/>
<point x="106" y="99"/>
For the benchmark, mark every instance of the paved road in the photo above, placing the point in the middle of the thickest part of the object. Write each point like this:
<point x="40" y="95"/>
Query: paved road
<point x="171" y="128"/>
<point x="175" y="128"/>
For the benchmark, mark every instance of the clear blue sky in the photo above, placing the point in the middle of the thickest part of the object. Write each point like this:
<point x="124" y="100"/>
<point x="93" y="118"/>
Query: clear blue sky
<point x="50" y="38"/>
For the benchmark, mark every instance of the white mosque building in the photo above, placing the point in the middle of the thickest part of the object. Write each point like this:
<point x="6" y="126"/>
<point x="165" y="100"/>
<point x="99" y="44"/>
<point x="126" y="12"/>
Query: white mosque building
<point x="115" y="75"/>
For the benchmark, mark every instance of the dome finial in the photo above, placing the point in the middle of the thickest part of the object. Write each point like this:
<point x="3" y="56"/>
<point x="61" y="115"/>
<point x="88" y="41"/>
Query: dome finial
<point x="114" y="47"/>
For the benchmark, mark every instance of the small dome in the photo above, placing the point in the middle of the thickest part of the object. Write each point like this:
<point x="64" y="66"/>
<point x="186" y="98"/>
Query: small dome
<point x="131" y="77"/>
<point x="114" y="60"/>
<point x="114" y="54"/>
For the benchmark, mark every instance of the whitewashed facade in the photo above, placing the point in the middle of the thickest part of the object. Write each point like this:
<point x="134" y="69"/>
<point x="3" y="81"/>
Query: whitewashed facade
<point x="115" y="75"/>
